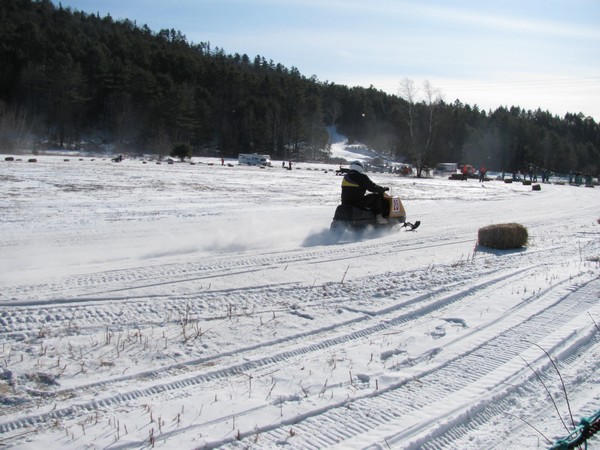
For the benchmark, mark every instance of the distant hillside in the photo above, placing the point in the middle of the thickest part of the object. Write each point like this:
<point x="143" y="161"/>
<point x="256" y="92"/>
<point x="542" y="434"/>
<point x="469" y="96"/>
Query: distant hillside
<point x="341" y="148"/>
<point x="72" y="79"/>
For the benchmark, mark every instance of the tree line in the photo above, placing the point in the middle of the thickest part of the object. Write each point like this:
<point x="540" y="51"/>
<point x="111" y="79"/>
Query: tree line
<point x="70" y="79"/>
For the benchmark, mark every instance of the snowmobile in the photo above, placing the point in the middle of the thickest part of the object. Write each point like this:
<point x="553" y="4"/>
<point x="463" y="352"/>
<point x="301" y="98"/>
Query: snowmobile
<point x="348" y="216"/>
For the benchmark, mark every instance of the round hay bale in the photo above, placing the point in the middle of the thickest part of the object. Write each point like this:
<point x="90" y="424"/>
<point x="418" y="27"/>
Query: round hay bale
<point x="536" y="187"/>
<point x="503" y="236"/>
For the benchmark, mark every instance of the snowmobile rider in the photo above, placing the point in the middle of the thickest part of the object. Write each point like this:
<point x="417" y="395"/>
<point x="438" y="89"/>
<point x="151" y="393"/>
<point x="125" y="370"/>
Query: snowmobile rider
<point x="354" y="186"/>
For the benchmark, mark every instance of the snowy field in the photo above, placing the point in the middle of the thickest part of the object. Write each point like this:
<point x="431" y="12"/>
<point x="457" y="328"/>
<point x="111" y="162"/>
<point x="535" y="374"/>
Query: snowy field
<point x="199" y="306"/>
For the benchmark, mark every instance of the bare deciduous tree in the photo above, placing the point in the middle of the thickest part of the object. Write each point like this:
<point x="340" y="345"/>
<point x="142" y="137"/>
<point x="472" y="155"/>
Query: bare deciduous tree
<point x="420" y="120"/>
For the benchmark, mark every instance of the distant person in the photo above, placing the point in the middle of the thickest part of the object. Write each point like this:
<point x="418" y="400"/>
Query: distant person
<point x="482" y="172"/>
<point x="354" y="186"/>
<point x="465" y="172"/>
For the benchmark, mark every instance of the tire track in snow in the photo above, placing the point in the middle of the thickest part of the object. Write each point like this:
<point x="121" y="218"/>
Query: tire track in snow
<point x="491" y="284"/>
<point x="295" y="344"/>
<point x="60" y="310"/>
<point x="492" y="414"/>
<point x="382" y="409"/>
<point x="130" y="279"/>
<point x="123" y="311"/>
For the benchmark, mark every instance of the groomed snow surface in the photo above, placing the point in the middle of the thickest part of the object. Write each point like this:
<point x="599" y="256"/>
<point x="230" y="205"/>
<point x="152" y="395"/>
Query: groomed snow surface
<point x="184" y="306"/>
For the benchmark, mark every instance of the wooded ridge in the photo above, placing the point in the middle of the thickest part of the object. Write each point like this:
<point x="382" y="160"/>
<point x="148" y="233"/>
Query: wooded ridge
<point x="70" y="79"/>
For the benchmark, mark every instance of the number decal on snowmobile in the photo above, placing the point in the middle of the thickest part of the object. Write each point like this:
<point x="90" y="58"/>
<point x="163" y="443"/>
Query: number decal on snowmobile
<point x="396" y="204"/>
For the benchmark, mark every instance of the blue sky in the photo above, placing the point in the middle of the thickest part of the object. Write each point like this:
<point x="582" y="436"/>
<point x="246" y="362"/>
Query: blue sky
<point x="530" y="53"/>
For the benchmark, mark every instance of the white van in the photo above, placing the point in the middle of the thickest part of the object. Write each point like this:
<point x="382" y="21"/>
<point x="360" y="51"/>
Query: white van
<point x="445" y="169"/>
<point x="254" y="159"/>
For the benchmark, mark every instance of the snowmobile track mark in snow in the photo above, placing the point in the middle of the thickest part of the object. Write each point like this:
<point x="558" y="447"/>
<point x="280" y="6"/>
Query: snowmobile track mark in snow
<point x="250" y="364"/>
<point x="452" y="377"/>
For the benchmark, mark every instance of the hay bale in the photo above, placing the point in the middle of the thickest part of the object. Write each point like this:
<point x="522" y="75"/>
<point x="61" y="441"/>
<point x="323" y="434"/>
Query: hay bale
<point x="536" y="187"/>
<point x="503" y="236"/>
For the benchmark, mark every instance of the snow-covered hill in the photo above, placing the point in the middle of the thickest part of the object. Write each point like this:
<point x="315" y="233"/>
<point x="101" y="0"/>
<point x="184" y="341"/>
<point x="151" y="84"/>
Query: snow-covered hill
<point x="341" y="148"/>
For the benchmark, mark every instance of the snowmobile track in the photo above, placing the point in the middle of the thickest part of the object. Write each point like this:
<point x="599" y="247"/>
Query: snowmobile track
<point x="398" y="318"/>
<point x="390" y="407"/>
<point x="489" y="413"/>
<point x="389" y="318"/>
<point x="85" y="287"/>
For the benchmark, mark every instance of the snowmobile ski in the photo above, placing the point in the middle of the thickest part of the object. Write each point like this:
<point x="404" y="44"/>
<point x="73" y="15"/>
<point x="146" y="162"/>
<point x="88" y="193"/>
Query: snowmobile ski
<point x="411" y="226"/>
